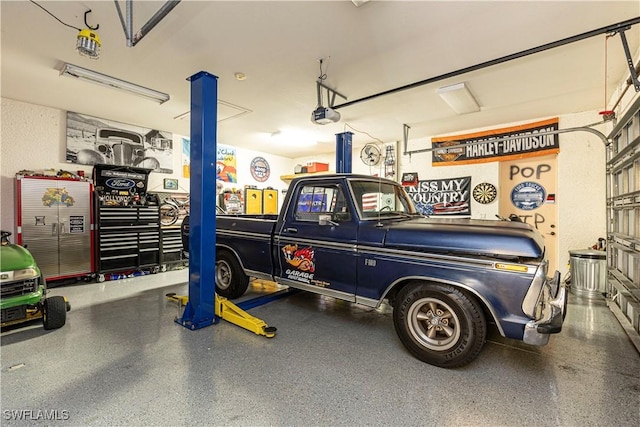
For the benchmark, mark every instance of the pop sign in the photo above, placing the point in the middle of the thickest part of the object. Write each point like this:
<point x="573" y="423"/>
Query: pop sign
<point x="260" y="169"/>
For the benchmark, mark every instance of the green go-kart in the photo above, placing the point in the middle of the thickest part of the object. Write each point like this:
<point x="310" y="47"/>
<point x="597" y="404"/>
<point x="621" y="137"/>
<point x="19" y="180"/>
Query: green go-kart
<point x="23" y="289"/>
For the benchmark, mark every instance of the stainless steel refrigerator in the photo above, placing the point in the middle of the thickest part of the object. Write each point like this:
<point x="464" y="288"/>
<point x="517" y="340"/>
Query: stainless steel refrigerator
<point x="55" y="223"/>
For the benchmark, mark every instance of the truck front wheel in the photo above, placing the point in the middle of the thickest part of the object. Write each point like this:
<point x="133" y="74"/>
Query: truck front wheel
<point x="439" y="324"/>
<point x="231" y="282"/>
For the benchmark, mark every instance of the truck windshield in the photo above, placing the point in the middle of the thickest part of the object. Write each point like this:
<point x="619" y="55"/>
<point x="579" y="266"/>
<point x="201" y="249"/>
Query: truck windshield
<point x="377" y="199"/>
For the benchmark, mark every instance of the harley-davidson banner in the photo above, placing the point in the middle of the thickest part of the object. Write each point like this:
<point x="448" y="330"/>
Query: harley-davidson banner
<point x="442" y="196"/>
<point x="486" y="146"/>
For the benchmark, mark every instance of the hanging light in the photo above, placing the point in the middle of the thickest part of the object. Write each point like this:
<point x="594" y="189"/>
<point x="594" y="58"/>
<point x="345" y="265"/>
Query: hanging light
<point x="88" y="44"/>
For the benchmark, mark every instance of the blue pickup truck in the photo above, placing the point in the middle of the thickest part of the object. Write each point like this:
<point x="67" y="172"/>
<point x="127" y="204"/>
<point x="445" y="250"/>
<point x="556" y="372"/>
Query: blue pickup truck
<point x="360" y="239"/>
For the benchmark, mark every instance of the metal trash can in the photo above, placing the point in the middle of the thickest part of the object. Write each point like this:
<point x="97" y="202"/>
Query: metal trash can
<point x="588" y="272"/>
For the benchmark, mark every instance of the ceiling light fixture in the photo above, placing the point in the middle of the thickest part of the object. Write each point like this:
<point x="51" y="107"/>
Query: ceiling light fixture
<point x="70" y="70"/>
<point x="459" y="98"/>
<point x="88" y="42"/>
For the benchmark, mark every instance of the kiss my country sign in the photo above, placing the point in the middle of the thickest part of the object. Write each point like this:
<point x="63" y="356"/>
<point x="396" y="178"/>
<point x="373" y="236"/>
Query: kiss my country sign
<point x="442" y="196"/>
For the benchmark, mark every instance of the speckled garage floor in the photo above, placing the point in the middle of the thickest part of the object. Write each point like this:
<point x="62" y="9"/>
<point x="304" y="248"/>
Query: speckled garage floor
<point x="121" y="360"/>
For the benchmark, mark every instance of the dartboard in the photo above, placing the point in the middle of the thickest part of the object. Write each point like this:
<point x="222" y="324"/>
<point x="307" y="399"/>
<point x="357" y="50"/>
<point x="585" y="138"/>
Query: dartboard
<point x="484" y="193"/>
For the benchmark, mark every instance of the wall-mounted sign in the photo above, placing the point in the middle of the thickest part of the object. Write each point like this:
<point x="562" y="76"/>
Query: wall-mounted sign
<point x="486" y="146"/>
<point x="170" y="184"/>
<point x="260" y="170"/>
<point x="226" y="164"/>
<point x="528" y="195"/>
<point x="410" y="178"/>
<point x="186" y="157"/>
<point x="442" y="196"/>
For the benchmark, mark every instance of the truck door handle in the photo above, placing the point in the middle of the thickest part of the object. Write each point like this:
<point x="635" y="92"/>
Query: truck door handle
<point x="290" y="230"/>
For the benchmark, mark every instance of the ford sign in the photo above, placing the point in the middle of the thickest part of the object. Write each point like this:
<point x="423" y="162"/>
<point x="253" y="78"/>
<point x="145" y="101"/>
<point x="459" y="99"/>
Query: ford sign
<point x="120" y="183"/>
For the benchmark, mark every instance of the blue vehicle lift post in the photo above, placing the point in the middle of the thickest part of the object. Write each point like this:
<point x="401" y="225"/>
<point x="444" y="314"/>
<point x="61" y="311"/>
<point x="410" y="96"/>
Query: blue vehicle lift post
<point x="200" y="311"/>
<point x="343" y="152"/>
<point x="203" y="307"/>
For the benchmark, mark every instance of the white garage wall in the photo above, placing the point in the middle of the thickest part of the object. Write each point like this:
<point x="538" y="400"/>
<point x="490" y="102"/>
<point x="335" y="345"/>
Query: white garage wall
<point x="581" y="194"/>
<point x="34" y="138"/>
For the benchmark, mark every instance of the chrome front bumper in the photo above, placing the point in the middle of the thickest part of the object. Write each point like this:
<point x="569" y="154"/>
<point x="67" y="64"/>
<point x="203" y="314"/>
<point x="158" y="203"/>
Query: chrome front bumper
<point x="554" y="309"/>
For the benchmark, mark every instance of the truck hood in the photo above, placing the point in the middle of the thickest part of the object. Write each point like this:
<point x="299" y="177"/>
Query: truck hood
<point x="481" y="237"/>
<point x="15" y="257"/>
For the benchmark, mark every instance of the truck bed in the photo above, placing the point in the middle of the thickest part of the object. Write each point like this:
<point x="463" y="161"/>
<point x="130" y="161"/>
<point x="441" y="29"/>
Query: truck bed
<point x="250" y="238"/>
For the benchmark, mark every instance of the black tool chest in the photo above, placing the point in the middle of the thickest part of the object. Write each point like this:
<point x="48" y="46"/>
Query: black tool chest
<point x="128" y="238"/>
<point x="127" y="220"/>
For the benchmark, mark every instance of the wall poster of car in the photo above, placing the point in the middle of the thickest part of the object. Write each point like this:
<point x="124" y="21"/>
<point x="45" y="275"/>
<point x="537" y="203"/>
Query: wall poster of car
<point x="92" y="140"/>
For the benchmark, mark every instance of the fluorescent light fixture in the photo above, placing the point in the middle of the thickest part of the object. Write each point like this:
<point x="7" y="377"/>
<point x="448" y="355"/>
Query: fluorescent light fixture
<point x="70" y="70"/>
<point x="459" y="98"/>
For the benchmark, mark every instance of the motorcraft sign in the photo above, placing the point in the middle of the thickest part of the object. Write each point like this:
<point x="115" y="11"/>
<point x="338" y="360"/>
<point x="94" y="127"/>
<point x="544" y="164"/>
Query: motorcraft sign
<point x="490" y="146"/>
<point x="450" y="197"/>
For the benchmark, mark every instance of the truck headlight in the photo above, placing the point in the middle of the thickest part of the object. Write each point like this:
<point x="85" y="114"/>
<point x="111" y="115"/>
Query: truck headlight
<point x="27" y="273"/>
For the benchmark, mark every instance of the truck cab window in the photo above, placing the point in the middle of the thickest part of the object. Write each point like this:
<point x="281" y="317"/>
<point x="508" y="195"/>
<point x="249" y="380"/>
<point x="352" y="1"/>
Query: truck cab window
<point x="316" y="200"/>
<point x="377" y="199"/>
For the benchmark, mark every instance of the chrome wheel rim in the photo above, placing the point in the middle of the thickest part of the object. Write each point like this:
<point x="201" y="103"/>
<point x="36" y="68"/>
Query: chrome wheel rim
<point x="433" y="324"/>
<point x="223" y="275"/>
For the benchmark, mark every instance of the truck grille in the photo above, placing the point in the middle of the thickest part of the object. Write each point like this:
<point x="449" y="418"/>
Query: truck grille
<point x="23" y="287"/>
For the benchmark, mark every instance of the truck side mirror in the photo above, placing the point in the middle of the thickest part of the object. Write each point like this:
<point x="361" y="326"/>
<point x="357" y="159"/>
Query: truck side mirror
<point x="324" y="219"/>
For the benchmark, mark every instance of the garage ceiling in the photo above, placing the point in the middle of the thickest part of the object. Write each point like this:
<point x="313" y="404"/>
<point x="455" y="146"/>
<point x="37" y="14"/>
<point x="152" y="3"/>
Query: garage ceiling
<point x="378" y="46"/>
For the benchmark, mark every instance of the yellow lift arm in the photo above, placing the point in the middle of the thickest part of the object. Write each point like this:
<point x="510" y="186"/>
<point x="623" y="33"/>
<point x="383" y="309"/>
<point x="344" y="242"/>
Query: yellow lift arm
<point x="230" y="312"/>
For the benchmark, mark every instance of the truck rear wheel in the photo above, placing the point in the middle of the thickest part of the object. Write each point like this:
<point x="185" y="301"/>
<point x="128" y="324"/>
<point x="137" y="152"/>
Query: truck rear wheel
<point x="54" y="312"/>
<point x="439" y="324"/>
<point x="231" y="282"/>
